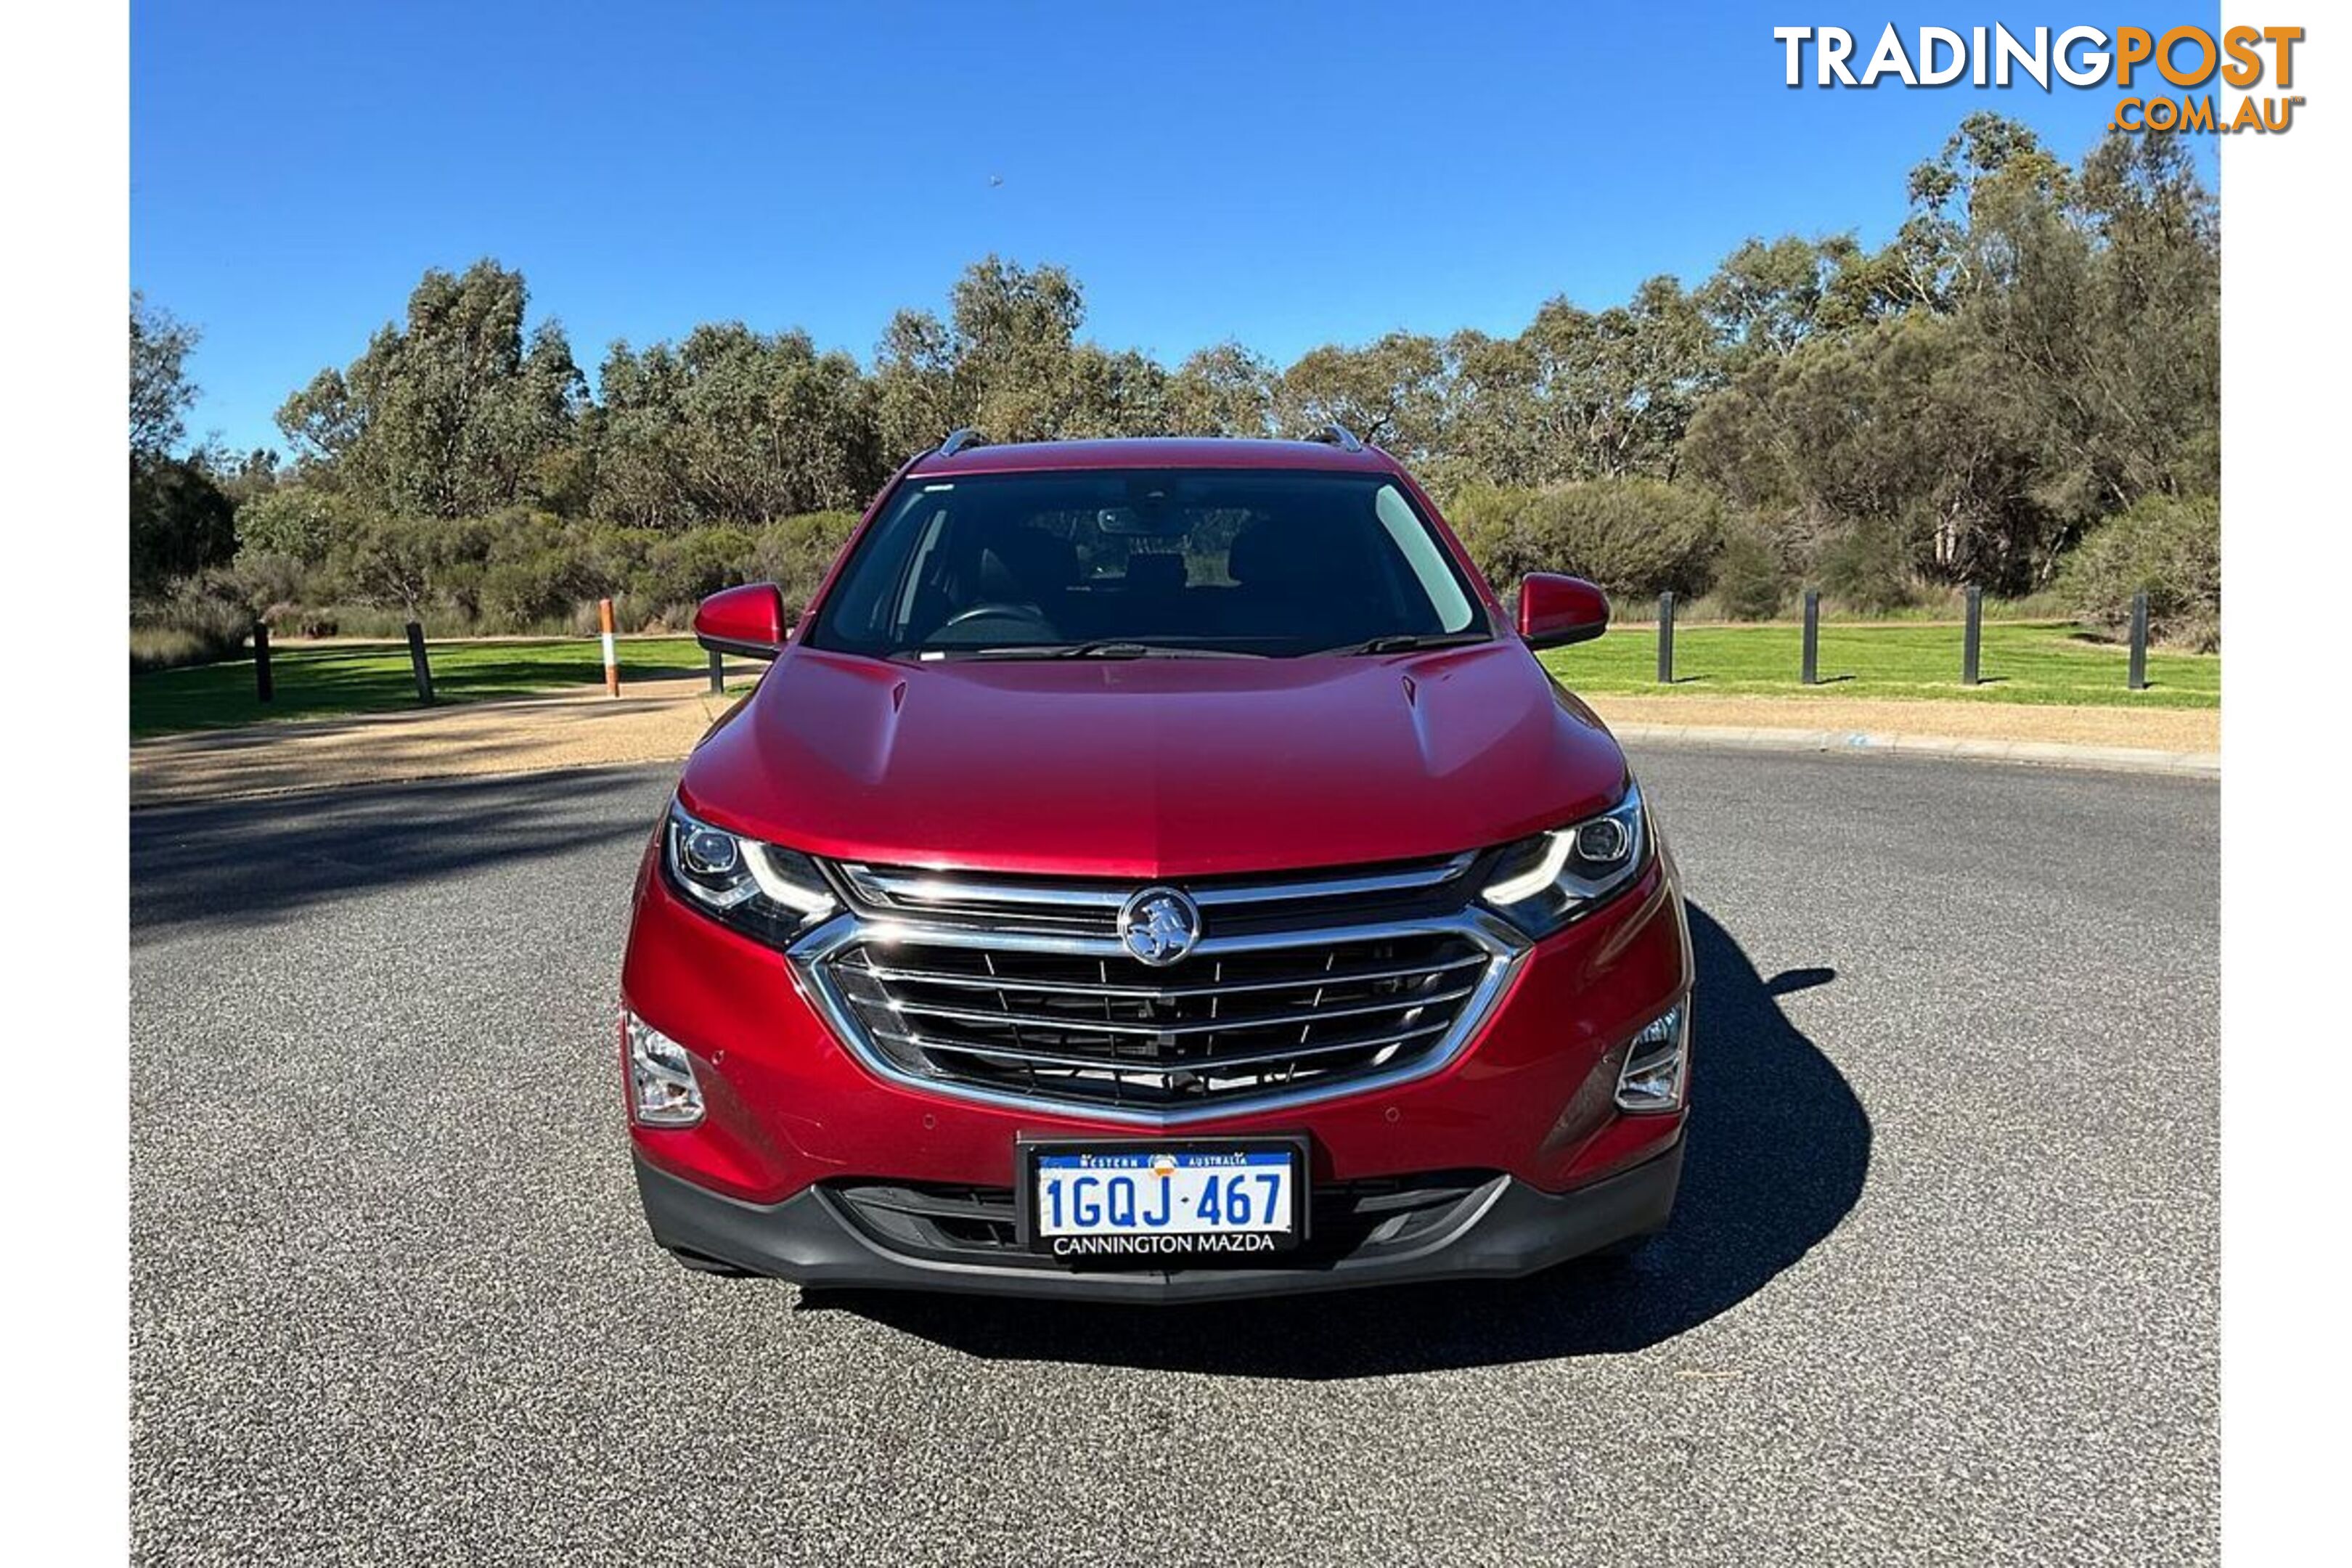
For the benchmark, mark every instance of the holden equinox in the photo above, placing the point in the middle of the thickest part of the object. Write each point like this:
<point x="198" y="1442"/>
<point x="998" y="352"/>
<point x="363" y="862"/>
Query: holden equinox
<point x="1155" y="870"/>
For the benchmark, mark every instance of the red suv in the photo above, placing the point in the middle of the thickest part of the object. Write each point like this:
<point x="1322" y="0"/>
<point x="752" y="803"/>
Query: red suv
<point x="1155" y="870"/>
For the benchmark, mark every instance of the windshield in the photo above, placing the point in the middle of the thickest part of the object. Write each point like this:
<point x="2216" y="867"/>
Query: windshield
<point x="1146" y="562"/>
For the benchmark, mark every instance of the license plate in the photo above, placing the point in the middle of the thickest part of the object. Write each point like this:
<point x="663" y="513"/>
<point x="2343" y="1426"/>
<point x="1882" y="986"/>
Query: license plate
<point x="1142" y="1203"/>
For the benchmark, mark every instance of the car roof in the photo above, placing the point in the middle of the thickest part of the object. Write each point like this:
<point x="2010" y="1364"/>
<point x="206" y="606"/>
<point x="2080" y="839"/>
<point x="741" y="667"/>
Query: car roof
<point x="1154" y="452"/>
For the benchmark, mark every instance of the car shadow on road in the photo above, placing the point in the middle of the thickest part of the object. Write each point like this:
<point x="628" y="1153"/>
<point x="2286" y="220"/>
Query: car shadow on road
<point x="1778" y="1150"/>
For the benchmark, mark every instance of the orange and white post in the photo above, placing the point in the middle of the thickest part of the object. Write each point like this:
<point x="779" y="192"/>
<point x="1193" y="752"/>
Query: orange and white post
<point x="612" y="659"/>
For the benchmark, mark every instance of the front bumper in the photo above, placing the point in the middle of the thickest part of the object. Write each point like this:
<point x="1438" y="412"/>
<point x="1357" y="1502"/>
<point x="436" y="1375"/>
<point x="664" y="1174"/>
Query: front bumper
<point x="792" y="1108"/>
<point x="1503" y="1229"/>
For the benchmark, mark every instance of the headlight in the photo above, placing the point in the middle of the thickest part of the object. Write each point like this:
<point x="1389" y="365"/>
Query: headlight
<point x="1542" y="883"/>
<point x="763" y="890"/>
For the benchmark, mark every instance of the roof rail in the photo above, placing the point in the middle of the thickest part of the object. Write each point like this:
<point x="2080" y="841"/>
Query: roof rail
<point x="957" y="440"/>
<point x="1338" y="435"/>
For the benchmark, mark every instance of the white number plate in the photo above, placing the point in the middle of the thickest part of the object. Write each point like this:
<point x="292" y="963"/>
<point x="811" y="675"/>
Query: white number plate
<point x="1139" y="1203"/>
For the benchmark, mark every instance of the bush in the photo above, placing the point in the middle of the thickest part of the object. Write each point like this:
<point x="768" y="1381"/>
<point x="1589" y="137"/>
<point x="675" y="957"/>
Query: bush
<point x="538" y="566"/>
<point x="348" y="619"/>
<point x="198" y="620"/>
<point x="685" y="568"/>
<point x="182" y="523"/>
<point x="528" y="595"/>
<point x="627" y="616"/>
<point x="795" y="555"/>
<point x="1750" y="584"/>
<point x="414" y="566"/>
<point x="1636" y="538"/>
<point x="273" y="585"/>
<point x="169" y="648"/>
<point x="310" y="562"/>
<point x="1868" y="568"/>
<point x="2168" y="546"/>
<point x="293" y="521"/>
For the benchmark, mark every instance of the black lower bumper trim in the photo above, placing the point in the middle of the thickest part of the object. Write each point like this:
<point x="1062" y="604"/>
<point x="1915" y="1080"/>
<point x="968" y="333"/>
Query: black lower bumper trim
<point x="1516" y="1232"/>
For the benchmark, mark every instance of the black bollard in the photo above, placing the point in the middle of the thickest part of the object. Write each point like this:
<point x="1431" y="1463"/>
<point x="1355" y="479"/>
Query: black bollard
<point x="1812" y="675"/>
<point x="1972" y="639"/>
<point x="417" y="661"/>
<point x="2139" y="679"/>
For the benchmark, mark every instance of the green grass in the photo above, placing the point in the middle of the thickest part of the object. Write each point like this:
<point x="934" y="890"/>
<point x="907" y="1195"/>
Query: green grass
<point x="2022" y="661"/>
<point x="2038" y="661"/>
<point x="373" y="678"/>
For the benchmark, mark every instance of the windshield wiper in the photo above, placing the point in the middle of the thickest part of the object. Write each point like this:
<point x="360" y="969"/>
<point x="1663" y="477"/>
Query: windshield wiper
<point x="1411" y="642"/>
<point x="1120" y="647"/>
<point x="1104" y="648"/>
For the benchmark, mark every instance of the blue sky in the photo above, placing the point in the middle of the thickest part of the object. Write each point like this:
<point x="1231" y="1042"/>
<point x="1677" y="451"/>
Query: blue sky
<point x="1284" y="174"/>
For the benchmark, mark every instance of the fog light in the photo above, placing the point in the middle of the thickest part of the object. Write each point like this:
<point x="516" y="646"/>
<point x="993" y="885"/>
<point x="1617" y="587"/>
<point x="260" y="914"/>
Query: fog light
<point x="662" y="1088"/>
<point x="1656" y="1064"/>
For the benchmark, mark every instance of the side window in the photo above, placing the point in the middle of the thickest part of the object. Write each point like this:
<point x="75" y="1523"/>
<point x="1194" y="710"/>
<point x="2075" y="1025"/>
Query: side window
<point x="923" y="568"/>
<point x="872" y="603"/>
<point x="1422" y="554"/>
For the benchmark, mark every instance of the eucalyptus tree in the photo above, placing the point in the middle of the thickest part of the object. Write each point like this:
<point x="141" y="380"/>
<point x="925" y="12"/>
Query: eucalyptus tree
<point x="453" y="411"/>
<point x="731" y="425"/>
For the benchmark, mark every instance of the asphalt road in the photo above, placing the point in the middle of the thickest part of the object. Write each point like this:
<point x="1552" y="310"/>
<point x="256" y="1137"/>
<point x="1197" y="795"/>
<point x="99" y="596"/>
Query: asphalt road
<point x="1941" y="1288"/>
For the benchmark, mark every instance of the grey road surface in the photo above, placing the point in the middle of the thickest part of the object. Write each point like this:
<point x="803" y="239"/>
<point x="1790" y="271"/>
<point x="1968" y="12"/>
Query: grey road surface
<point x="1941" y="1288"/>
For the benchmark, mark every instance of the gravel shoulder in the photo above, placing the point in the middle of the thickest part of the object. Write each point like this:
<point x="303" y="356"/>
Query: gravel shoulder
<point x="654" y="721"/>
<point x="2174" y="729"/>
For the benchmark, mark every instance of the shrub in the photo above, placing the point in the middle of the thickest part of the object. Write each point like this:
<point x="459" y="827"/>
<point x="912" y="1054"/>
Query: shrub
<point x="273" y="587"/>
<point x="1750" y="584"/>
<point x="619" y="553"/>
<point x="182" y="523"/>
<point x="350" y="620"/>
<point x="197" y="620"/>
<point x="536" y="568"/>
<point x="310" y="561"/>
<point x="414" y="564"/>
<point x="2170" y="547"/>
<point x="794" y="554"/>
<point x="293" y="521"/>
<point x="1633" y="537"/>
<point x="629" y="615"/>
<point x="525" y="595"/>
<point x="169" y="648"/>
<point x="1868" y="568"/>
<point x="1485" y="517"/>
<point x="684" y="567"/>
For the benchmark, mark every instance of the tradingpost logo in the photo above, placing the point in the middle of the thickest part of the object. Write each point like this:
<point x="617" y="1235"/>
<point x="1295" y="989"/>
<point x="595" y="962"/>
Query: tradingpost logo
<point x="2183" y="60"/>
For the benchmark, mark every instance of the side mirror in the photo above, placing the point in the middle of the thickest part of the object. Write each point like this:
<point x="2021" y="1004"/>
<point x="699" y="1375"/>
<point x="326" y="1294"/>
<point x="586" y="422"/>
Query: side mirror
<point x="1555" y="611"/>
<point x="748" y="620"/>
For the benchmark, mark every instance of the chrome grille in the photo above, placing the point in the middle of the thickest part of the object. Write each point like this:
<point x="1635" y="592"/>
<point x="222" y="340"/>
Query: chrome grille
<point x="1018" y="992"/>
<point x="1040" y="906"/>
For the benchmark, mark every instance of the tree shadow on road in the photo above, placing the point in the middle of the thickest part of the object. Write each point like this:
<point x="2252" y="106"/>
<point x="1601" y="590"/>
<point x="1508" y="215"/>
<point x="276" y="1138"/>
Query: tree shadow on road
<point x="259" y="860"/>
<point x="1778" y="1150"/>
